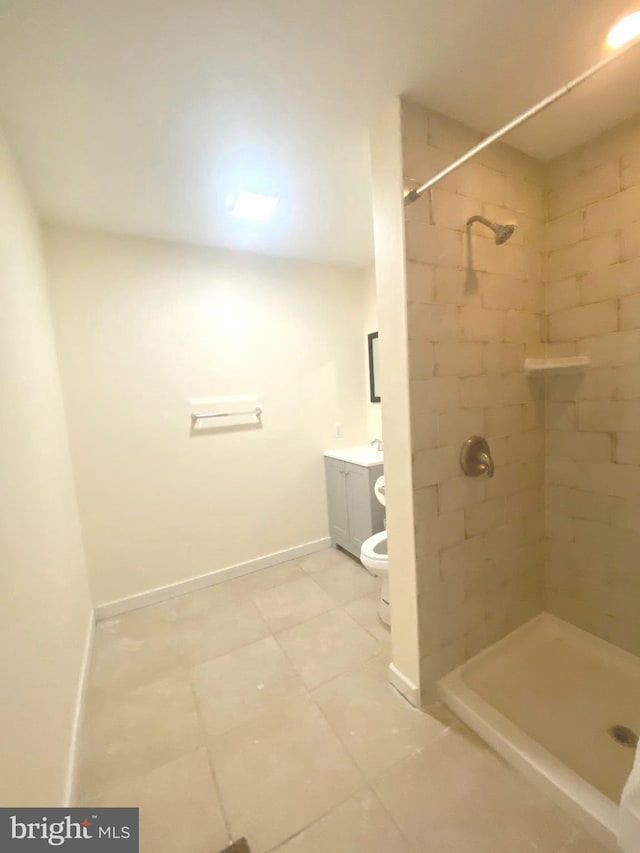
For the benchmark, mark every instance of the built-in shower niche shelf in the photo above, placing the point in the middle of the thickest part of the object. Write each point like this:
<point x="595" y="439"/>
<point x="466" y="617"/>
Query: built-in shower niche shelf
<point x="553" y="366"/>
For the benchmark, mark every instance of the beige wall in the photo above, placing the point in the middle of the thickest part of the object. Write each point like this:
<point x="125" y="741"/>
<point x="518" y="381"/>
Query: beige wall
<point x="370" y="324"/>
<point x="143" y="327"/>
<point x="44" y="605"/>
<point x="475" y="311"/>
<point x="386" y="175"/>
<point x="593" y="420"/>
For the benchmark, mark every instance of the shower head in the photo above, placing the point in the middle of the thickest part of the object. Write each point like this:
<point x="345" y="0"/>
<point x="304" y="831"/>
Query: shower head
<point x="502" y="232"/>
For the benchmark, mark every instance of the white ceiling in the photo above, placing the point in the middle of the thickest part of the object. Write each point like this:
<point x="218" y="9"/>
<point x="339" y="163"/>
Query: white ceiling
<point x="139" y="116"/>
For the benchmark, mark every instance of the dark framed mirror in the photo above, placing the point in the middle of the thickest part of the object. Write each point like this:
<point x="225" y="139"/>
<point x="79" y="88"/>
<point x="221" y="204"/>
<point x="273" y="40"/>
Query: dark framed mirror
<point x="374" y="387"/>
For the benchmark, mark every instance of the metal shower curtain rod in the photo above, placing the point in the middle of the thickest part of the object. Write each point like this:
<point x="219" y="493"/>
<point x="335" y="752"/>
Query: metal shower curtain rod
<point x="415" y="194"/>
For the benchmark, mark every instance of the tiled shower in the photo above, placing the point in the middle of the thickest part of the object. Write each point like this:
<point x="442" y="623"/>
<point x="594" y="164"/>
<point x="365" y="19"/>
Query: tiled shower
<point x="556" y="527"/>
<point x="593" y="454"/>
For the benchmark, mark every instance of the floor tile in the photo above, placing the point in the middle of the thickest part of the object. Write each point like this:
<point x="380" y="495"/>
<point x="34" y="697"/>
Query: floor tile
<point x="345" y="582"/>
<point x="456" y="796"/>
<point x="182" y="631"/>
<point x="137" y="731"/>
<point x="327" y="646"/>
<point x="133" y="649"/>
<point x="179" y="806"/>
<point x="360" y="825"/>
<point x="378" y="727"/>
<point x="267" y="578"/>
<point x="221" y="629"/>
<point x="291" y="767"/>
<point x="216" y="596"/>
<point x="365" y="612"/>
<point x="280" y="772"/>
<point x="202" y="600"/>
<point x="440" y="712"/>
<point x="323" y="559"/>
<point x="291" y="603"/>
<point x="378" y="665"/>
<point x="236" y="687"/>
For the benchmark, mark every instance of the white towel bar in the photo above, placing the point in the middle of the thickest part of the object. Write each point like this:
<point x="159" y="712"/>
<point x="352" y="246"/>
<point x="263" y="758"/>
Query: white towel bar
<point x="199" y="416"/>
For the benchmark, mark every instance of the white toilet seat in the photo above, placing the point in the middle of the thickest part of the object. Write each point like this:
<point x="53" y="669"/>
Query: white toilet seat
<point x="374" y="554"/>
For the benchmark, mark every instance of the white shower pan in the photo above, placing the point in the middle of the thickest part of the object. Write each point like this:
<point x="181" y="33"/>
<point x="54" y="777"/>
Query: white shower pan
<point x="545" y="698"/>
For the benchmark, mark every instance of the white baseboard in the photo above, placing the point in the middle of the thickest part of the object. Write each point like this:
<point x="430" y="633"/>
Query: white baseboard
<point x="164" y="593"/>
<point x="404" y="686"/>
<point x="78" y="714"/>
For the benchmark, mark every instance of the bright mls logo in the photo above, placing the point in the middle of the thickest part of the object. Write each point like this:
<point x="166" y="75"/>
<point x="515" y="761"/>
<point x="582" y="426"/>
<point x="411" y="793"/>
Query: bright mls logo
<point x="76" y="830"/>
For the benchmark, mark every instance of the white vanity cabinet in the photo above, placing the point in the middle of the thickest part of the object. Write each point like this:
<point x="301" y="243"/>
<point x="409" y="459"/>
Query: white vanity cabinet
<point x="355" y="514"/>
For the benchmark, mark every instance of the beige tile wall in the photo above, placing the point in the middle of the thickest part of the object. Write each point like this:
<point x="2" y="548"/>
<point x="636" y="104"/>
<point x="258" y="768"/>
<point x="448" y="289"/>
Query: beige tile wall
<point x="475" y="311"/>
<point x="566" y="494"/>
<point x="592" y="573"/>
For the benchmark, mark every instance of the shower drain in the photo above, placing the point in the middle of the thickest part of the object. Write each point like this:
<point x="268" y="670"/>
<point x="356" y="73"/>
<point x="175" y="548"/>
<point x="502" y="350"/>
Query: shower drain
<point x="624" y="736"/>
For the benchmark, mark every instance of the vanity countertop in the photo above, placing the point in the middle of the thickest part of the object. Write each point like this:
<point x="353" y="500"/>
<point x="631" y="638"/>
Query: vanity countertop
<point x="364" y="455"/>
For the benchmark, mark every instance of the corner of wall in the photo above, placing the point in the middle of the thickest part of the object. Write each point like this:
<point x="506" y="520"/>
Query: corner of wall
<point x="46" y="599"/>
<point x="370" y="324"/>
<point x="386" y="171"/>
<point x="474" y="312"/>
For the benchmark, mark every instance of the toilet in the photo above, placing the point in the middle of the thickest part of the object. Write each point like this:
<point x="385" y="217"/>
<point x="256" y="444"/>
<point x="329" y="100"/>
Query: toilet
<point x="374" y="556"/>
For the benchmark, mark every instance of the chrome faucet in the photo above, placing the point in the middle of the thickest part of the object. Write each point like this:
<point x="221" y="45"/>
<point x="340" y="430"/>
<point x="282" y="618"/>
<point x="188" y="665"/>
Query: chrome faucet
<point x="379" y="444"/>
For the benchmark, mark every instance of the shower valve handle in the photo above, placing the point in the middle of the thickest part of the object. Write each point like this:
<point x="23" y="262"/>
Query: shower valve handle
<point x="487" y="461"/>
<point x="475" y="457"/>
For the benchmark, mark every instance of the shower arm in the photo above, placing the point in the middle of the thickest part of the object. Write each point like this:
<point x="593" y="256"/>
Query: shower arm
<point x="483" y="219"/>
<point x="415" y="194"/>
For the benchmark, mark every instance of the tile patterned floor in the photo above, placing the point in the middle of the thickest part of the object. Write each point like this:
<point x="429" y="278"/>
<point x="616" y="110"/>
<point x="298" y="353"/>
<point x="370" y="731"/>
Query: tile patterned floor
<point x="261" y="708"/>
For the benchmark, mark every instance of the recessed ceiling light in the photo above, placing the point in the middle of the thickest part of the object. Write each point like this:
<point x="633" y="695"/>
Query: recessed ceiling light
<point x="253" y="205"/>
<point x="626" y="29"/>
